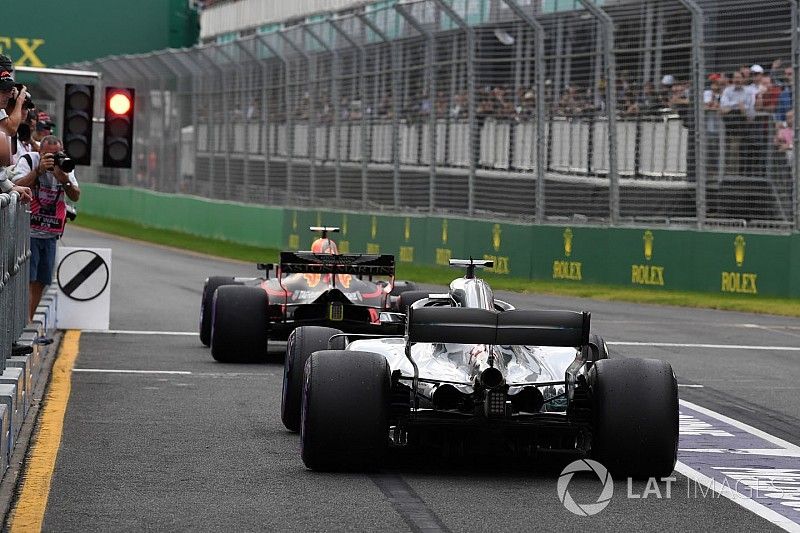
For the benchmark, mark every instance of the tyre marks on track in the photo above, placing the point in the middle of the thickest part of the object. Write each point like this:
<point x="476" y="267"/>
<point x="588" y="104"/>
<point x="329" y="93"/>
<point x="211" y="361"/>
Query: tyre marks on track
<point x="408" y="504"/>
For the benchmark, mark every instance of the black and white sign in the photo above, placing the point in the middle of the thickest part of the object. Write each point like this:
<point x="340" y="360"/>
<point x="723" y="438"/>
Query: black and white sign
<point x="83" y="276"/>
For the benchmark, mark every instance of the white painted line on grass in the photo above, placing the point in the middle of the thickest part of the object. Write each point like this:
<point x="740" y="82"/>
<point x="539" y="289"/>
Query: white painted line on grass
<point x="710" y="346"/>
<point x="136" y="332"/>
<point x="738" y="498"/>
<point x="111" y="371"/>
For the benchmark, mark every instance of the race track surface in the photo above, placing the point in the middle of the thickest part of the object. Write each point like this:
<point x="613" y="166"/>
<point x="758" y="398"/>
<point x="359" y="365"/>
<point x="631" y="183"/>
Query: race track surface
<point x="200" y="446"/>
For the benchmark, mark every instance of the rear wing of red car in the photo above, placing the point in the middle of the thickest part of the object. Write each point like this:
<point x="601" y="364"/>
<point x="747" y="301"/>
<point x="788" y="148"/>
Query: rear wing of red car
<point x="354" y="264"/>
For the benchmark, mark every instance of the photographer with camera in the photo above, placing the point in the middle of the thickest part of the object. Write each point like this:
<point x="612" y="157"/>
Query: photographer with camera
<point x="14" y="99"/>
<point x="50" y="173"/>
<point x="7" y="92"/>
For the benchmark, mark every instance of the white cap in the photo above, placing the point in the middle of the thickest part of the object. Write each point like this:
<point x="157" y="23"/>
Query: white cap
<point x="758" y="69"/>
<point x="669" y="79"/>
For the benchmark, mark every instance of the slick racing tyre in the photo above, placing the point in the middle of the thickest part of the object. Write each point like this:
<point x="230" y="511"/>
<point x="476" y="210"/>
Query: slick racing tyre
<point x="211" y="285"/>
<point x="302" y="342"/>
<point x="401" y="286"/>
<point x="635" y="404"/>
<point x="409" y="297"/>
<point x="239" y="325"/>
<point x="345" y="413"/>
<point x="597" y="348"/>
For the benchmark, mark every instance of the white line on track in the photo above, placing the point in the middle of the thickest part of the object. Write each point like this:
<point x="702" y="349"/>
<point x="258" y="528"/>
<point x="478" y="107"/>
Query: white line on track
<point x="136" y="332"/>
<point x="769" y="452"/>
<point x="738" y="498"/>
<point x="710" y="346"/>
<point x="111" y="371"/>
<point x="741" y="425"/>
<point x="610" y="343"/>
<point x="788" y="450"/>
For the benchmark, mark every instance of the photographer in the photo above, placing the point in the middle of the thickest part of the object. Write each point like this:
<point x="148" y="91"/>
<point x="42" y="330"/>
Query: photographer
<point x="14" y="99"/>
<point x="50" y="174"/>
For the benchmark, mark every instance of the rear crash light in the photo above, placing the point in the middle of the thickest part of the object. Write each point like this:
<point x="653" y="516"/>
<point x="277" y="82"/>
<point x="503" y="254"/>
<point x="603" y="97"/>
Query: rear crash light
<point x="495" y="404"/>
<point x="336" y="311"/>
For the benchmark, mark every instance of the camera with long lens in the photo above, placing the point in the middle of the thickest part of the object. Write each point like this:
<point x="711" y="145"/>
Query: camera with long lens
<point x="72" y="213"/>
<point x="63" y="162"/>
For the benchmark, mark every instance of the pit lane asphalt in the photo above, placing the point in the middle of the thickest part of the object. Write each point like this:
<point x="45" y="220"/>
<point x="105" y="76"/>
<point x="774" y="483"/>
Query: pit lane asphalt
<point x="207" y="451"/>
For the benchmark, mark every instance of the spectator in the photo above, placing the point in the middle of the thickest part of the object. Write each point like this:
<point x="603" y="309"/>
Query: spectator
<point x="737" y="107"/>
<point x="11" y="114"/>
<point x="571" y="103"/>
<point x="7" y="89"/>
<point x="756" y="73"/>
<point x="665" y="93"/>
<point x="767" y="95"/>
<point x="711" y="99"/>
<point x="648" y="101"/>
<point x="784" y="139"/>
<point x="785" y="99"/>
<point x="460" y="103"/>
<point x="48" y="210"/>
<point x="24" y="138"/>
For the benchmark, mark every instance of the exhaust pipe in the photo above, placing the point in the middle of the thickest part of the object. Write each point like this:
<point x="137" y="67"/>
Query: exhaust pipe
<point x="446" y="396"/>
<point x="529" y="400"/>
<point x="491" y="378"/>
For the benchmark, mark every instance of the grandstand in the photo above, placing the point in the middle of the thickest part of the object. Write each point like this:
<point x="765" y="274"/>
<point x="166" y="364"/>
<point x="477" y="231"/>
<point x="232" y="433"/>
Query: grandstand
<point x="445" y="106"/>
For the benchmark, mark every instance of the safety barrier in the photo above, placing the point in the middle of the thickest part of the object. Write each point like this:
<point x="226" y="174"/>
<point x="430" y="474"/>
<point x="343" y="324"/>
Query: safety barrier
<point x="733" y="262"/>
<point x="14" y="255"/>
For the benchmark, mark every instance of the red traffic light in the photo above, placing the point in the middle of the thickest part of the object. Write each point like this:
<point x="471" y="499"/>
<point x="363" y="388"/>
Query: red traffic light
<point x="120" y="103"/>
<point x="118" y="128"/>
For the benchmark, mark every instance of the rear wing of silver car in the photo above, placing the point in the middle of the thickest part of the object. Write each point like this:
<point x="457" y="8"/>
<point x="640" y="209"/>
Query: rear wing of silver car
<point x="354" y="264"/>
<point x="481" y="326"/>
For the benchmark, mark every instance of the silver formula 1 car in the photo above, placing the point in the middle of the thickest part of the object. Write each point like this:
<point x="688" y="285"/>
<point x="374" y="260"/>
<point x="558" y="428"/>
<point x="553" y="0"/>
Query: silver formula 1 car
<point x="471" y="373"/>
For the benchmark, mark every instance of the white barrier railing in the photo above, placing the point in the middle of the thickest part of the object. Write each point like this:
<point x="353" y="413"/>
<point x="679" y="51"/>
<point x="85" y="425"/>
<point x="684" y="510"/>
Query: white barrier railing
<point x="650" y="147"/>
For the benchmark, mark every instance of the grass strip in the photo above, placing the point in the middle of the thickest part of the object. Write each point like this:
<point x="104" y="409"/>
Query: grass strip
<point x="443" y="275"/>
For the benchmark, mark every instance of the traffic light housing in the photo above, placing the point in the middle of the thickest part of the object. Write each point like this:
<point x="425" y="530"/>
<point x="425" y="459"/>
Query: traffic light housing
<point x="118" y="129"/>
<point x="78" y="111"/>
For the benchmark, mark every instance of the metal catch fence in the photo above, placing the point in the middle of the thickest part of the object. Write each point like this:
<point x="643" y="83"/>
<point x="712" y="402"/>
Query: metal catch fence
<point x="676" y="112"/>
<point x="14" y="255"/>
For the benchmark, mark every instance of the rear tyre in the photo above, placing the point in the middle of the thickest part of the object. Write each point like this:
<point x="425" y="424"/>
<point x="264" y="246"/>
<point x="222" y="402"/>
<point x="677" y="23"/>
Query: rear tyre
<point x="403" y="286"/>
<point x="409" y="297"/>
<point x="597" y="348"/>
<point x="635" y="416"/>
<point x="302" y="342"/>
<point x="239" y="325"/>
<point x="211" y="285"/>
<point x="345" y="413"/>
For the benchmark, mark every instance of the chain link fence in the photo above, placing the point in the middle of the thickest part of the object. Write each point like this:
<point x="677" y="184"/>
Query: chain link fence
<point x="614" y="112"/>
<point x="14" y="255"/>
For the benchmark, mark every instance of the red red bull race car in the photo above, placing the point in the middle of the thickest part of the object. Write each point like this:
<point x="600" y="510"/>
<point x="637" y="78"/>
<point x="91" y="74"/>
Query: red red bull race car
<point x="355" y="293"/>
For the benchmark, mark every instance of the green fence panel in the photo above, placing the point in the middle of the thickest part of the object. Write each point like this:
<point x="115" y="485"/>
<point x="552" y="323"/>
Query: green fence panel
<point x="244" y="223"/>
<point x="661" y="259"/>
<point x="508" y="245"/>
<point x="744" y="264"/>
